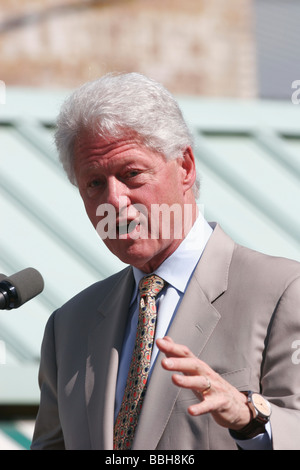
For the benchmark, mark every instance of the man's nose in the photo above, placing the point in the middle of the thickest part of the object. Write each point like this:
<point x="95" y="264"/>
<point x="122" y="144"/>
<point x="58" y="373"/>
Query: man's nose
<point x="117" y="194"/>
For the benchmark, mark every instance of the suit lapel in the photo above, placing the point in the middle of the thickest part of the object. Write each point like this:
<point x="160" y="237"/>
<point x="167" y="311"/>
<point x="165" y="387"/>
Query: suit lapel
<point x="193" y="325"/>
<point x="105" y="343"/>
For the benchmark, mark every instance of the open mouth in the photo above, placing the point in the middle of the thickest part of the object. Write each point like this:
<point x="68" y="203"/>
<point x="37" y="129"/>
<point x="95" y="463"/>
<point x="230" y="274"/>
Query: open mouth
<point x="128" y="228"/>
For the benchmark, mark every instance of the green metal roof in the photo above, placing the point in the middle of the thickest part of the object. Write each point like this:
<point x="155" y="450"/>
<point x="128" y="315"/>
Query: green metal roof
<point x="248" y="156"/>
<point x="16" y="435"/>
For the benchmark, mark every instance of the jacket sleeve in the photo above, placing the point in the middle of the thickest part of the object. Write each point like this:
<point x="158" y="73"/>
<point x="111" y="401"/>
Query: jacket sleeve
<point x="48" y="433"/>
<point x="281" y="372"/>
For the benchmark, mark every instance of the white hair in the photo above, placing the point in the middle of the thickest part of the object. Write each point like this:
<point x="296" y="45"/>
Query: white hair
<point x="122" y="105"/>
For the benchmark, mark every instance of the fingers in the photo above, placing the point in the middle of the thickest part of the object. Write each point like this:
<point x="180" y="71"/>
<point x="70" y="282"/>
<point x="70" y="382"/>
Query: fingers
<point x="226" y="404"/>
<point x="169" y="348"/>
<point x="193" y="373"/>
<point x="176" y="358"/>
<point x="200" y="384"/>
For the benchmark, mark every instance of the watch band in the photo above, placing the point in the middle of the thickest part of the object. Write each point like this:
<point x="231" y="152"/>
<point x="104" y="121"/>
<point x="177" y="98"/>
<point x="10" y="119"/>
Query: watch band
<point x="252" y="429"/>
<point x="259" y="419"/>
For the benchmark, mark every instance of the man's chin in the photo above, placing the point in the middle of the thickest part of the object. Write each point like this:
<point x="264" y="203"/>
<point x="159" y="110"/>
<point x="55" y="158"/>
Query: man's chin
<point x="137" y="253"/>
<point x="145" y="255"/>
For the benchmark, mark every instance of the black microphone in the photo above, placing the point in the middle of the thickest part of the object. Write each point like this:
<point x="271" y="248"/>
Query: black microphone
<point x="17" y="289"/>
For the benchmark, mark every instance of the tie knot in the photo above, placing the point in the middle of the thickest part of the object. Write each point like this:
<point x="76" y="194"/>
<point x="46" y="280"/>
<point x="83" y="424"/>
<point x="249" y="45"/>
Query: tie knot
<point x="151" y="285"/>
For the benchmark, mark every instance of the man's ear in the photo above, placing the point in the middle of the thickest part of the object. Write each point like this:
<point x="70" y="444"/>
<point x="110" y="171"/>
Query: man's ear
<point x="189" y="168"/>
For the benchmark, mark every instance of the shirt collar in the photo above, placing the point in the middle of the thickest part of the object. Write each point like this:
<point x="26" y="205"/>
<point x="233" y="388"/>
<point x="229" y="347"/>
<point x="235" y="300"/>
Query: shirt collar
<point x="177" y="269"/>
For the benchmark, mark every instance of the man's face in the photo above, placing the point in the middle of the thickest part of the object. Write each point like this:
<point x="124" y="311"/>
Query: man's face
<point x="128" y="181"/>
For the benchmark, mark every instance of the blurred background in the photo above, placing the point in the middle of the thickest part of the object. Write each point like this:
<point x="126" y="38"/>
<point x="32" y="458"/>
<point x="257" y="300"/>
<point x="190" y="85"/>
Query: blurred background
<point x="234" y="67"/>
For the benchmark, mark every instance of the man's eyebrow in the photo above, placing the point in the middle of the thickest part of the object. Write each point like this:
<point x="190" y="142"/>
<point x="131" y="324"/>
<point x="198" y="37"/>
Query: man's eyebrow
<point x="89" y="167"/>
<point x="126" y="162"/>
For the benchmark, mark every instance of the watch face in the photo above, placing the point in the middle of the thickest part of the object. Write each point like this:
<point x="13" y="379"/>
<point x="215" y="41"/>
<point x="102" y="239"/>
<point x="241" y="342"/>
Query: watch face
<point x="262" y="405"/>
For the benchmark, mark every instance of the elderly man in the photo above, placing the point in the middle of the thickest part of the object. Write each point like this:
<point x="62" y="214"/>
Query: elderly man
<point x="189" y="347"/>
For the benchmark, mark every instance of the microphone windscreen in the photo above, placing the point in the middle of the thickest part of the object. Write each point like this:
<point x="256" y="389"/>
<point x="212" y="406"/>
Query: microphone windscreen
<point x="28" y="283"/>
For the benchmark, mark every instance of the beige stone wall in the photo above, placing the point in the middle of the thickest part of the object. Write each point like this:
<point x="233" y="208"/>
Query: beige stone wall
<point x="202" y="47"/>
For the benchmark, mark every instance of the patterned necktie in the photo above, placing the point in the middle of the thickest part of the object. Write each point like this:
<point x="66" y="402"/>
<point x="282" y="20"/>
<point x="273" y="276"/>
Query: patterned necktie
<point x="135" y="389"/>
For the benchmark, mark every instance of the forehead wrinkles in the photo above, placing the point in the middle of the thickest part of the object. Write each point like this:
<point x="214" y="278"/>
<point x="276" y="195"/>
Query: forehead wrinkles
<point x="93" y="143"/>
<point x="89" y="150"/>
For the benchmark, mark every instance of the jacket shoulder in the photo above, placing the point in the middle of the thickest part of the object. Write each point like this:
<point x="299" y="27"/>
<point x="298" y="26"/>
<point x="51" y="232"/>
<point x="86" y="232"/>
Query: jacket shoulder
<point x="264" y="266"/>
<point x="89" y="299"/>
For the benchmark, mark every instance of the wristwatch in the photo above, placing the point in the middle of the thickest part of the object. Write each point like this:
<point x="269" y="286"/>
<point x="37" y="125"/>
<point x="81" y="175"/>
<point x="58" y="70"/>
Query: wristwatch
<point x="261" y="411"/>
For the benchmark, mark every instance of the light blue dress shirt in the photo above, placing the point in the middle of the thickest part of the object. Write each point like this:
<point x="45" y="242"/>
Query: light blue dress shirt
<point x="176" y="271"/>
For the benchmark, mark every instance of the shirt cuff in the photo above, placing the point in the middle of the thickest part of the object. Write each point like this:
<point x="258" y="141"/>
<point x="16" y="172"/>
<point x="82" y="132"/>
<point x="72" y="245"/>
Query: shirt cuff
<point x="259" y="442"/>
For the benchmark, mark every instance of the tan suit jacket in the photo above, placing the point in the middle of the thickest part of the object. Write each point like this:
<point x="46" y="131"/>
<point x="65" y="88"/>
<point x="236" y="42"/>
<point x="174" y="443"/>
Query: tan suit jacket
<point x="240" y="314"/>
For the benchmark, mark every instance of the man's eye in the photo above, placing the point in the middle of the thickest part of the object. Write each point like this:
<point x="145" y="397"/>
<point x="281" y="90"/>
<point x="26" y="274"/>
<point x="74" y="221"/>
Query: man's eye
<point x="93" y="187"/>
<point x="94" y="184"/>
<point x="132" y="173"/>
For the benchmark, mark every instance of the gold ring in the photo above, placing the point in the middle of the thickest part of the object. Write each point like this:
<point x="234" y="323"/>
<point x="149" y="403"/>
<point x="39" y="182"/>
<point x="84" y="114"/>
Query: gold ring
<point x="206" y="390"/>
